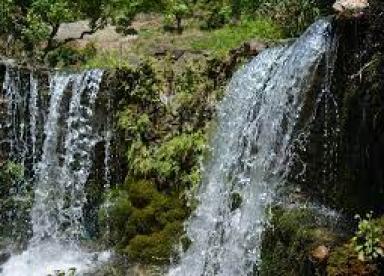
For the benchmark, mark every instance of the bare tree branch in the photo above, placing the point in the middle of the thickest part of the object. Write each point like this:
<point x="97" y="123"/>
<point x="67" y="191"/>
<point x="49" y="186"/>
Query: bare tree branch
<point x="53" y="44"/>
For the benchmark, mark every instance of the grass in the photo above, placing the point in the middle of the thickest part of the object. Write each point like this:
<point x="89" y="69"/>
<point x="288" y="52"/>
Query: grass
<point x="216" y="43"/>
<point x="220" y="41"/>
<point x="108" y="60"/>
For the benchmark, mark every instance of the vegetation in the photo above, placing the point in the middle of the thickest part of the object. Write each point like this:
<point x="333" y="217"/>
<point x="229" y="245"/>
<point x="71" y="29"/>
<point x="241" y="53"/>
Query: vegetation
<point x="366" y="241"/>
<point x="164" y="121"/>
<point x="290" y="239"/>
<point x="30" y="28"/>
<point x="13" y="210"/>
<point x="361" y="255"/>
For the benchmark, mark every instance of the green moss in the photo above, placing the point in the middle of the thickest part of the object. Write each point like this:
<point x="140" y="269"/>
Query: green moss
<point x="144" y="223"/>
<point x="155" y="248"/>
<point x="164" y="143"/>
<point x="14" y="209"/>
<point x="288" y="242"/>
<point x="343" y="261"/>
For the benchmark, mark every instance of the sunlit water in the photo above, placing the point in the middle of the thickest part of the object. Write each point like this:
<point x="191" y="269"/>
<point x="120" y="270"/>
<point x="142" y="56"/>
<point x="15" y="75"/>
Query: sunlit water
<point x="60" y="169"/>
<point x="257" y="122"/>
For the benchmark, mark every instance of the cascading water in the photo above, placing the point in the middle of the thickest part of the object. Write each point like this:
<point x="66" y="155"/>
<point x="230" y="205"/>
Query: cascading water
<point x="59" y="173"/>
<point x="258" y="121"/>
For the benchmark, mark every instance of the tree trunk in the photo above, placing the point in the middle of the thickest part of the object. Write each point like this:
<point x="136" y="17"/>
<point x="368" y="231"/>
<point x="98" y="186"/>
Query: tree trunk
<point x="179" y="27"/>
<point x="236" y="10"/>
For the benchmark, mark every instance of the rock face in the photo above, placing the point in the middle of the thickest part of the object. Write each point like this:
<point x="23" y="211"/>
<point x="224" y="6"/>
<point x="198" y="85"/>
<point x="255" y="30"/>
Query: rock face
<point x="350" y="8"/>
<point x="4" y="256"/>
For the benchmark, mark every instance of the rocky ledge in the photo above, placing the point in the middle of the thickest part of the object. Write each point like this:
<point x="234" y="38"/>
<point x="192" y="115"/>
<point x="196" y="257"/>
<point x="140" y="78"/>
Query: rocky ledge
<point x="350" y="8"/>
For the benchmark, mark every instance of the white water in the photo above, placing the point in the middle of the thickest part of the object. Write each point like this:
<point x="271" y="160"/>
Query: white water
<point x="251" y="156"/>
<point x="59" y="175"/>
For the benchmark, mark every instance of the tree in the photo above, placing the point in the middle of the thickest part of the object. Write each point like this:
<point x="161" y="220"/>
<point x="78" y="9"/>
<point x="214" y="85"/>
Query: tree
<point x="35" y="23"/>
<point x="176" y="10"/>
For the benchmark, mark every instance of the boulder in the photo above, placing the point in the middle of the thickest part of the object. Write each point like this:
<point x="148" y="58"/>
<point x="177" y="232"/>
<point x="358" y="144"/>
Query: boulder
<point x="320" y="254"/>
<point x="350" y="8"/>
<point x="4" y="257"/>
<point x="254" y="47"/>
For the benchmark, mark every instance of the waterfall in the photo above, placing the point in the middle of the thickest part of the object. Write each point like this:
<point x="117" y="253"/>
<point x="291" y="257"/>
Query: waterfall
<point x="61" y="164"/>
<point x="258" y="121"/>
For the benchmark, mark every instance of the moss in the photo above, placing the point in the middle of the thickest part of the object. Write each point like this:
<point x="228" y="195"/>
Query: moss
<point x="14" y="208"/>
<point x="155" y="248"/>
<point x="144" y="223"/>
<point x="343" y="261"/>
<point x="163" y="142"/>
<point x="288" y="242"/>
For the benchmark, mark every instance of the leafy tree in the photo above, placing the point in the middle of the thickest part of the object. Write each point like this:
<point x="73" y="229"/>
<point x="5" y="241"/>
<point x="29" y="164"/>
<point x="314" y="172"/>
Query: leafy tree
<point x="176" y="10"/>
<point x="35" y="23"/>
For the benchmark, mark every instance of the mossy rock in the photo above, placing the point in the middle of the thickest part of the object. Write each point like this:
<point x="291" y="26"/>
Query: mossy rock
<point x="289" y="240"/>
<point x="157" y="247"/>
<point x="343" y="261"/>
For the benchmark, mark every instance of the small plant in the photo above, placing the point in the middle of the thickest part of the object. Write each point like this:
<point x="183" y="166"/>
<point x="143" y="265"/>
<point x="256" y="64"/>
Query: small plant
<point x="366" y="241"/>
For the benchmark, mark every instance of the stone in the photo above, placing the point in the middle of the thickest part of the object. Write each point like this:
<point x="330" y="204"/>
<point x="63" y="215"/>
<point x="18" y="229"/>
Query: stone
<point x="4" y="257"/>
<point x="320" y="254"/>
<point x="160" y="51"/>
<point x="254" y="47"/>
<point x="350" y="8"/>
<point x="177" y="54"/>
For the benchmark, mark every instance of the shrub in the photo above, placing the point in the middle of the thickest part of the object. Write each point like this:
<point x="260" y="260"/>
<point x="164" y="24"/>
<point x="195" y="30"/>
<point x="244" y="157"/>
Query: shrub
<point x="366" y="241"/>
<point x="143" y="222"/>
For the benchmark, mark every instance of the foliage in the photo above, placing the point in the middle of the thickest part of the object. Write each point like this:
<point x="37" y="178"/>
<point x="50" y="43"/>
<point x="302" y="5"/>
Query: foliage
<point x="36" y="23"/>
<point x="69" y="56"/>
<point x="174" y="162"/>
<point x="13" y="210"/>
<point x="164" y="142"/>
<point x="293" y="15"/>
<point x="289" y="240"/>
<point x="343" y="261"/>
<point x="144" y="222"/>
<point x="222" y="40"/>
<point x="176" y="10"/>
<point x="366" y="241"/>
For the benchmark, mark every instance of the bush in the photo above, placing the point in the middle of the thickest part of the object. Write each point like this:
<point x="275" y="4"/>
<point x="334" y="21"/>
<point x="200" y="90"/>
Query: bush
<point x="68" y="55"/>
<point x="366" y="241"/>
<point x="344" y="261"/>
<point x="143" y="222"/>
<point x="293" y="15"/>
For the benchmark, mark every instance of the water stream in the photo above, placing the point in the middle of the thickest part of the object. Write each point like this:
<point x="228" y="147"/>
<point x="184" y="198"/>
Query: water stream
<point x="258" y="121"/>
<point x="61" y="164"/>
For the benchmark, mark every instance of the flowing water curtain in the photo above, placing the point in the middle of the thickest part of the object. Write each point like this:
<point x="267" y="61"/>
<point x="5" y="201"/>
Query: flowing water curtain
<point x="59" y="189"/>
<point x="19" y="144"/>
<point x="258" y="120"/>
<point x="62" y="140"/>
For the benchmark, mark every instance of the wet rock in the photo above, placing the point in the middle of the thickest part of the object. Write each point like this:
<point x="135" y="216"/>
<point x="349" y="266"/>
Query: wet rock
<point x="254" y="47"/>
<point x="350" y="8"/>
<point x="236" y="201"/>
<point x="320" y="254"/>
<point x="4" y="257"/>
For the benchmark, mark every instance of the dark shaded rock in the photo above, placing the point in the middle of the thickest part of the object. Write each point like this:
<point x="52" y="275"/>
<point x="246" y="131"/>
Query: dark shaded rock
<point x="236" y="201"/>
<point x="351" y="177"/>
<point x="4" y="257"/>
<point x="177" y="54"/>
